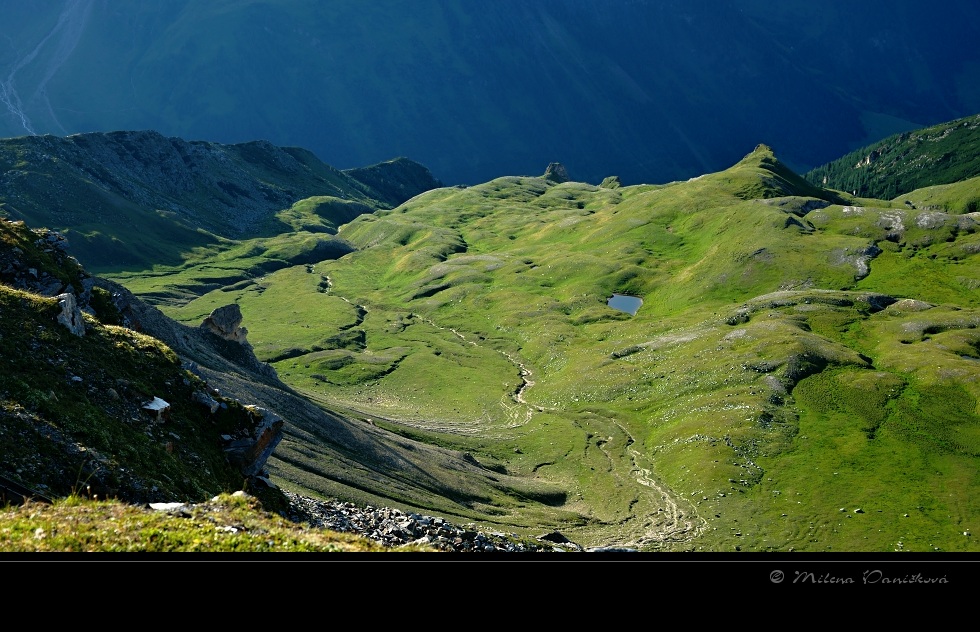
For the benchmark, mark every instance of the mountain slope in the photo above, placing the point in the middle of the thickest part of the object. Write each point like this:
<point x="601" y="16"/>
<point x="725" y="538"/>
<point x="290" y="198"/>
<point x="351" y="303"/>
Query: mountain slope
<point x="92" y="407"/>
<point x="941" y="154"/>
<point x="140" y="199"/>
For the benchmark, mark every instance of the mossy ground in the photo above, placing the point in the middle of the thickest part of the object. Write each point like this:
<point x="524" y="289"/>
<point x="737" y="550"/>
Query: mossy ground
<point x="227" y="523"/>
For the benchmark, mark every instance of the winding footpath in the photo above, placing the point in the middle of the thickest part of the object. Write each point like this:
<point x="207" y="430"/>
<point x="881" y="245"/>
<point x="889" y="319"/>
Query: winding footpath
<point x="675" y="521"/>
<point x="521" y="411"/>
<point x="670" y="524"/>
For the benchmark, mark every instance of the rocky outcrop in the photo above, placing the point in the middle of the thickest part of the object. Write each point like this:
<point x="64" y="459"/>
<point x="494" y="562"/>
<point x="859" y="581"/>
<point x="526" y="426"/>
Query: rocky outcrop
<point x="872" y="301"/>
<point x="225" y="322"/>
<point x="910" y="305"/>
<point x="100" y="393"/>
<point x="218" y="346"/>
<point x="859" y="258"/>
<point x="556" y="173"/>
<point x="70" y="315"/>
<point x="251" y="452"/>
<point x="862" y="259"/>
<point x="37" y="261"/>
<point x="228" y="338"/>
<point x="610" y="182"/>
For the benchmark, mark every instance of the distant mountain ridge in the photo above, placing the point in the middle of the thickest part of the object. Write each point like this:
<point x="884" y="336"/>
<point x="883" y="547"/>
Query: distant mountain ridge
<point x="98" y="186"/>
<point x="649" y="91"/>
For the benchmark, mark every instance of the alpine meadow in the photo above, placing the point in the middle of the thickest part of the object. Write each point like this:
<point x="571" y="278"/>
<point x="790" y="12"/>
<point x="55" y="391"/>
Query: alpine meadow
<point x="195" y="333"/>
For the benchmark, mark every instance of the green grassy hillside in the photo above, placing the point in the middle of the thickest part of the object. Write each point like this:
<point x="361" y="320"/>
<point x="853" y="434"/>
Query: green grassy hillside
<point x="802" y="373"/>
<point x="941" y="154"/>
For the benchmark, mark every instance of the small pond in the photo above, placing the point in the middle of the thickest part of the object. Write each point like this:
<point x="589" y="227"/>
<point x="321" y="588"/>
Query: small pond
<point x="625" y="303"/>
